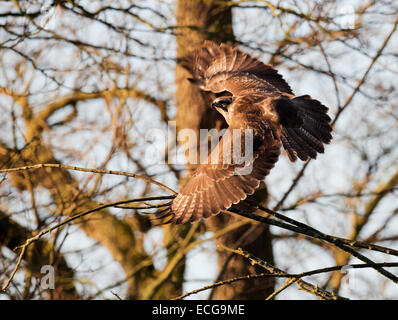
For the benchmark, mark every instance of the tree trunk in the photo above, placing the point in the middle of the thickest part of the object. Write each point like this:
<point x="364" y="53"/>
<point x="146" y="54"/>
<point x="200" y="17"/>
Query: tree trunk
<point x="201" y="20"/>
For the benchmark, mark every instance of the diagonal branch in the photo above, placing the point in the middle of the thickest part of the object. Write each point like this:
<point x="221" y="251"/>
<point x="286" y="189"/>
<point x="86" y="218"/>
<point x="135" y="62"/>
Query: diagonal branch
<point x="35" y="238"/>
<point x="344" y="245"/>
<point x="100" y="171"/>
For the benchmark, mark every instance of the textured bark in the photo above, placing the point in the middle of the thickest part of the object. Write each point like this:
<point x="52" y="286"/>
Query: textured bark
<point x="200" y="20"/>
<point x="207" y="21"/>
<point x="253" y="238"/>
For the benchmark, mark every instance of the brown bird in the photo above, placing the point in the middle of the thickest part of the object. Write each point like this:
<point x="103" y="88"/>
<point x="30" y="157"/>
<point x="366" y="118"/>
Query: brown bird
<point x="250" y="95"/>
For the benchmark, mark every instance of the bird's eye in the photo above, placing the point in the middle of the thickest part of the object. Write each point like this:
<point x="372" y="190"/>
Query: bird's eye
<point x="222" y="104"/>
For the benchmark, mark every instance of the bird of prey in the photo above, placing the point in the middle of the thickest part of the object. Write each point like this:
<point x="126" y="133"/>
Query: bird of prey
<point x="250" y="95"/>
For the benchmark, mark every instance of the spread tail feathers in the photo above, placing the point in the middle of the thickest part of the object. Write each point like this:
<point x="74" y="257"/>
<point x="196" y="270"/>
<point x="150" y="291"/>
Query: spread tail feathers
<point x="307" y="139"/>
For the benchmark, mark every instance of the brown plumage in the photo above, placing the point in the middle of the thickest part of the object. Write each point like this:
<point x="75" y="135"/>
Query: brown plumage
<point x="252" y="95"/>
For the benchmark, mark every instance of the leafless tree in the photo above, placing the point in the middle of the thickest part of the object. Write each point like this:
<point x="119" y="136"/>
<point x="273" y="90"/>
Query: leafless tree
<point x="86" y="86"/>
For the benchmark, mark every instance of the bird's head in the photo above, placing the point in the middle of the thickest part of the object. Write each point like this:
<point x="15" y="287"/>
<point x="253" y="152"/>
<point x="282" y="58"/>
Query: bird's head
<point x="222" y="105"/>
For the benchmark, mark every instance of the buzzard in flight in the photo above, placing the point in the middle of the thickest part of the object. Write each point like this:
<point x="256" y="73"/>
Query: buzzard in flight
<point x="250" y="95"/>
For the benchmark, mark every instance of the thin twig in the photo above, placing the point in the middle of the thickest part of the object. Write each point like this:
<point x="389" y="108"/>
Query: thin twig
<point x="343" y="244"/>
<point x="340" y="111"/>
<point x="293" y="278"/>
<point x="313" y="289"/>
<point x="286" y="285"/>
<point x="353" y="243"/>
<point x="64" y="222"/>
<point x="100" y="171"/>
<point x="4" y="288"/>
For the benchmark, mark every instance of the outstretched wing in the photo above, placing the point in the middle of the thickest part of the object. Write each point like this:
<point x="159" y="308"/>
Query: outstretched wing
<point x="301" y="124"/>
<point x="211" y="59"/>
<point x="214" y="187"/>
